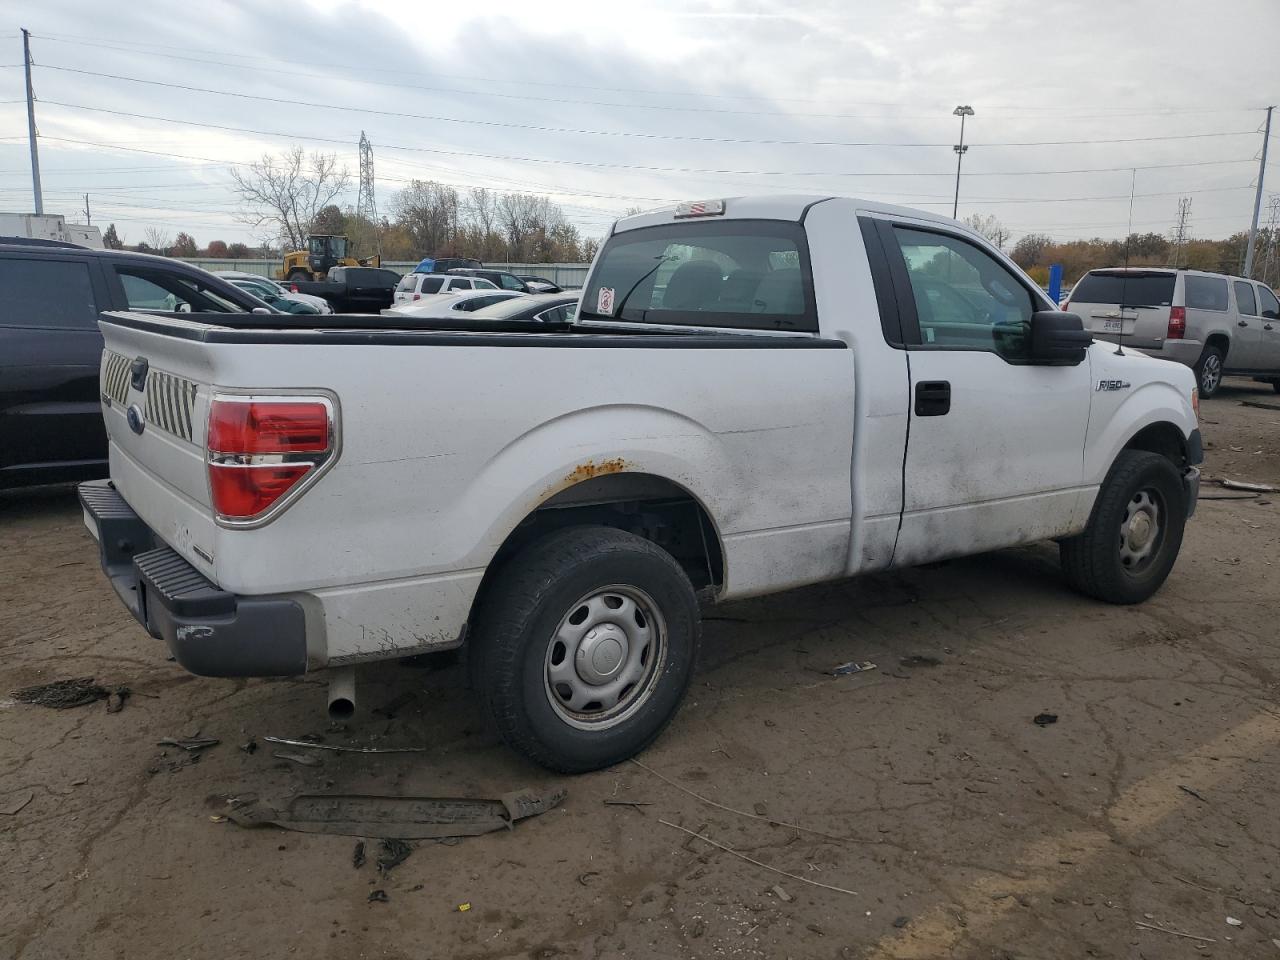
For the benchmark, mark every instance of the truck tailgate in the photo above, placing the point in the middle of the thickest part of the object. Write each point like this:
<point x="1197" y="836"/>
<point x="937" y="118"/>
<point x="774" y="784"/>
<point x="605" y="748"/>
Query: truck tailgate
<point x="155" y="392"/>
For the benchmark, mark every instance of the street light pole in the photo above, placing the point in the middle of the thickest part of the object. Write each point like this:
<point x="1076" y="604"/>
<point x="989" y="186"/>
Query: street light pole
<point x="960" y="149"/>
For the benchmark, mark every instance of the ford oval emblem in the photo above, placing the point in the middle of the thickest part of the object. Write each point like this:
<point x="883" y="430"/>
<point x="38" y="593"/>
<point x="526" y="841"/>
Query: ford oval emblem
<point x="134" y="416"/>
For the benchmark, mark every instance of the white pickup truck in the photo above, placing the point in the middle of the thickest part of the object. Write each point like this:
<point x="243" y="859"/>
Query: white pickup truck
<point x="757" y="393"/>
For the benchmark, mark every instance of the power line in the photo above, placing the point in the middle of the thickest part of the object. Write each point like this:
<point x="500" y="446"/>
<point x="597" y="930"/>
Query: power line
<point x="578" y="131"/>
<point x="632" y="166"/>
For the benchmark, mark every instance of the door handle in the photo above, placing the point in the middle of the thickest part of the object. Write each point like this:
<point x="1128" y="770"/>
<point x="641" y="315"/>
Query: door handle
<point x="933" y="398"/>
<point x="1242" y="323"/>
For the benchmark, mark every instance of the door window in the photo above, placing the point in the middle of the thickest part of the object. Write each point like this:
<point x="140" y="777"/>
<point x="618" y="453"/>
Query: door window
<point x="1206" y="293"/>
<point x="155" y="291"/>
<point x="509" y="282"/>
<point x="1270" y="306"/>
<point x="1245" y="300"/>
<point x="47" y="293"/>
<point x="964" y="297"/>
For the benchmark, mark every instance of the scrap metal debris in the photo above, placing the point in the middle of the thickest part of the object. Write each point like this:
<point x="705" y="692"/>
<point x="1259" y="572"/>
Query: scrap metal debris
<point x="1251" y="487"/>
<point x="394" y="853"/>
<point x="853" y="666"/>
<point x="379" y="896"/>
<point x="1185" y="789"/>
<point x="63" y="694"/>
<point x="250" y="746"/>
<point x="1044" y="719"/>
<point x="338" y="749"/>
<point x="192" y="744"/>
<point x="16" y="807"/>
<point x="405" y="818"/>
<point x="357" y="857"/>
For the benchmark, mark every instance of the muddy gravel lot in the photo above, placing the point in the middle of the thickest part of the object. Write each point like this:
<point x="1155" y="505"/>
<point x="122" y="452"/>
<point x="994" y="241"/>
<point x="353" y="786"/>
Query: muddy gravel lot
<point x="918" y="810"/>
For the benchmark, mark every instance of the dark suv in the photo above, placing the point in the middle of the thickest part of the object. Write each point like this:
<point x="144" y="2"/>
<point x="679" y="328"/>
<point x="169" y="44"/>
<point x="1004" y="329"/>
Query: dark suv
<point x="50" y="349"/>
<point x="499" y="278"/>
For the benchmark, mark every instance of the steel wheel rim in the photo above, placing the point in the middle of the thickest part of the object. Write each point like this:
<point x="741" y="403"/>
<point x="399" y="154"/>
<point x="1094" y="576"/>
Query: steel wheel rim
<point x="605" y="656"/>
<point x="1211" y="375"/>
<point x="1141" y="530"/>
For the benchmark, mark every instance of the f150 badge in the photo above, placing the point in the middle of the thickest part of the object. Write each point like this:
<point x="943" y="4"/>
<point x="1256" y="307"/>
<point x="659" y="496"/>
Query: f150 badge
<point x="1113" y="384"/>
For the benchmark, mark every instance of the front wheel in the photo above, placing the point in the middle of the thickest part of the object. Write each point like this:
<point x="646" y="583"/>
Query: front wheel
<point x="584" y="647"/>
<point x="1134" y="534"/>
<point x="1208" y="371"/>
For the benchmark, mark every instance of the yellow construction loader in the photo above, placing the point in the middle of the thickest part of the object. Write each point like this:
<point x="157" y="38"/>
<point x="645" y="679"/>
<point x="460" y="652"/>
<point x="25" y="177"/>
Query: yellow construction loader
<point x="323" y="252"/>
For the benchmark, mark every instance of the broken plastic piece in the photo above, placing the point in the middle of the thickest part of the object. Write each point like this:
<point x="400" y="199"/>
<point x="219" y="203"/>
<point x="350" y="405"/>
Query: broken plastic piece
<point x="853" y="666"/>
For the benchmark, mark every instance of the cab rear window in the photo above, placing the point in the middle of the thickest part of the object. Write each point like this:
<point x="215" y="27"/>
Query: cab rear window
<point x="1132" y="289"/>
<point x="752" y="274"/>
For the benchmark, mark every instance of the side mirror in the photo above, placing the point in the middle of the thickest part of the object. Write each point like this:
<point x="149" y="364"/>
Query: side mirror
<point x="1058" y="338"/>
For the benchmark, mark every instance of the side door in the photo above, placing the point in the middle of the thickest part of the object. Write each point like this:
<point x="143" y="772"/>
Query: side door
<point x="1246" y="343"/>
<point x="50" y="351"/>
<point x="995" y="444"/>
<point x="1269" y="312"/>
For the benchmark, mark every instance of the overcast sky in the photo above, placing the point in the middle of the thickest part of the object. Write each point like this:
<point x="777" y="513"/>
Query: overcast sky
<point x="605" y="105"/>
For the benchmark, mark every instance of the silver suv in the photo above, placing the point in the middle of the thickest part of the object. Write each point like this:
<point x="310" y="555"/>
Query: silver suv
<point x="1213" y="323"/>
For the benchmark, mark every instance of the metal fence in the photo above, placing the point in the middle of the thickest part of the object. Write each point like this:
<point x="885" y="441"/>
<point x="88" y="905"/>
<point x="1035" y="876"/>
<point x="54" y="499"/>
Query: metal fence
<point x="564" y="274"/>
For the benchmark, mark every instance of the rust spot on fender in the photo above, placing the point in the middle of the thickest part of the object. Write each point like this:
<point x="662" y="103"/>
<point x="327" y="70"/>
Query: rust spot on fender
<point x="587" y="471"/>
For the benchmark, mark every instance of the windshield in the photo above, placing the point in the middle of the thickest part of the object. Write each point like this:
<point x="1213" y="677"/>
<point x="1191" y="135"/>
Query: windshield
<point x="516" y="306"/>
<point x="1131" y="288"/>
<point x="727" y="273"/>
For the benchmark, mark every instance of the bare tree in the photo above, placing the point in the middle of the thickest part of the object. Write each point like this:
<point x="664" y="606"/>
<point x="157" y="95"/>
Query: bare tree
<point x="286" y="193"/>
<point x="158" y="240"/>
<point x="989" y="227"/>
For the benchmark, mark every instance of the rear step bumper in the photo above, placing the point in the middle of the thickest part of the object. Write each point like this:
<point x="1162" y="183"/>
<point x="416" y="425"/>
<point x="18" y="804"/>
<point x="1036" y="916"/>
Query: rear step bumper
<point x="209" y="631"/>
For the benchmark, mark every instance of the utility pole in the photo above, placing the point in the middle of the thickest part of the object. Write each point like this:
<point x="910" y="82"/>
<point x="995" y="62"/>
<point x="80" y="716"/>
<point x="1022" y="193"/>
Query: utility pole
<point x="960" y="149"/>
<point x="87" y="219"/>
<point x="31" y="123"/>
<point x="1181" y="232"/>
<point x="1257" y="197"/>
<point x="366" y="207"/>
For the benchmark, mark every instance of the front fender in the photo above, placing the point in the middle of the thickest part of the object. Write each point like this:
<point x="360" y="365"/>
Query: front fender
<point x="1113" y="423"/>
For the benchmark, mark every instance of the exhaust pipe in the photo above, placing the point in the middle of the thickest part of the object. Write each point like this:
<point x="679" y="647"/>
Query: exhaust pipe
<point x="342" y="695"/>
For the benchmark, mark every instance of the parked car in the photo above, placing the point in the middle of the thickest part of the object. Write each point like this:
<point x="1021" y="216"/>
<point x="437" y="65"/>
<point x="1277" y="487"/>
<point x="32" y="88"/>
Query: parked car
<point x="352" y="289"/>
<point x="550" y="308"/>
<point x="51" y="297"/>
<point x="415" y="286"/>
<point x="499" y="278"/>
<point x="444" y="264"/>
<point x="448" y="304"/>
<point x="541" y="285"/>
<point x="275" y="300"/>
<point x="261" y="287"/>
<point x="1214" y="323"/>
<point x="756" y="394"/>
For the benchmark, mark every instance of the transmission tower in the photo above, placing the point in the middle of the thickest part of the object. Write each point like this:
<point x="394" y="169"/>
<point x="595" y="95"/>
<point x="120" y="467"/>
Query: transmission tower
<point x="366" y="207"/>
<point x="1181" y="233"/>
<point x="1269" y="266"/>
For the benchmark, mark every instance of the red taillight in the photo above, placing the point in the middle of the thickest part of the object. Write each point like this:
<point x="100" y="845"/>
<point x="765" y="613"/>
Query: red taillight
<point x="417" y="296"/>
<point x="241" y="492"/>
<point x="1177" y="323"/>
<point x="259" y="450"/>
<point x="249" y="427"/>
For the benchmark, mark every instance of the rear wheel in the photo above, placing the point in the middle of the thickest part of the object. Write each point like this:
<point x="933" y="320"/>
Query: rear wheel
<point x="584" y="647"/>
<point x="299" y="275"/>
<point x="1208" y="370"/>
<point x="1134" y="534"/>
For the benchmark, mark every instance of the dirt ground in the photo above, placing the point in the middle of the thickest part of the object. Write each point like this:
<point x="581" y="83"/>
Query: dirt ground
<point x="958" y="827"/>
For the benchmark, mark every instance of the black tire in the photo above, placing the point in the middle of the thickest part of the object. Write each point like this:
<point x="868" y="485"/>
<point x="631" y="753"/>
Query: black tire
<point x="299" y="275"/>
<point x="1208" y="371"/>
<point x="1095" y="561"/>
<point x="516" y="641"/>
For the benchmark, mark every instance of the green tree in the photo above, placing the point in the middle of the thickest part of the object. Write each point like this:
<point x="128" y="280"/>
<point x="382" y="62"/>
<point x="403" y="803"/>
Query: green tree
<point x="237" y="251"/>
<point x="111" y="240"/>
<point x="184" y="245"/>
